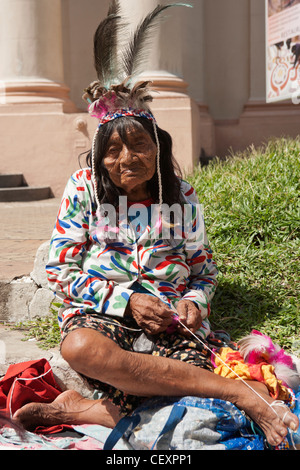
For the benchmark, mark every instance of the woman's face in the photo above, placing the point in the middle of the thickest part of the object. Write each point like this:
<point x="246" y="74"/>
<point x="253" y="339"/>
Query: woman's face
<point x="131" y="165"/>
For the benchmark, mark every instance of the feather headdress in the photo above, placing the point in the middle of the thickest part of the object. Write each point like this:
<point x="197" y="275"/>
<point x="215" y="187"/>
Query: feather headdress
<point x="116" y="92"/>
<point x="118" y="70"/>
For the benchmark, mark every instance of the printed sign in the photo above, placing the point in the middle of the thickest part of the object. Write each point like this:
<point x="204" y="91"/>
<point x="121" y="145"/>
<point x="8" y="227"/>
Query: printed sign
<point x="283" y="50"/>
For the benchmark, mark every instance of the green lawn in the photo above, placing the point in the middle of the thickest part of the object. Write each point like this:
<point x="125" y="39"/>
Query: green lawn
<point x="252" y="211"/>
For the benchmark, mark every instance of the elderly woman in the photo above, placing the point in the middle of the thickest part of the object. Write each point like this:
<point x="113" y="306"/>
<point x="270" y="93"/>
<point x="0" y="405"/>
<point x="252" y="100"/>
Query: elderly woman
<point x="112" y="290"/>
<point x="124" y="270"/>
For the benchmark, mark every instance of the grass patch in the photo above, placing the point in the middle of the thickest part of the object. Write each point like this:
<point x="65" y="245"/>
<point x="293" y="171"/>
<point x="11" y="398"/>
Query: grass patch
<point x="45" y="330"/>
<point x="252" y="212"/>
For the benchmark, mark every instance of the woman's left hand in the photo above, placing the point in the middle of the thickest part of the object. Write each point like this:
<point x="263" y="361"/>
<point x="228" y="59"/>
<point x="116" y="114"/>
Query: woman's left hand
<point x="189" y="315"/>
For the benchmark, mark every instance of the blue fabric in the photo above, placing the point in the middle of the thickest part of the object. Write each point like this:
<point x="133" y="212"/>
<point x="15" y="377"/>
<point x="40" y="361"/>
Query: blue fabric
<point x="294" y="438"/>
<point x="189" y="423"/>
<point x="175" y="417"/>
<point x="119" y="430"/>
<point x="137" y="287"/>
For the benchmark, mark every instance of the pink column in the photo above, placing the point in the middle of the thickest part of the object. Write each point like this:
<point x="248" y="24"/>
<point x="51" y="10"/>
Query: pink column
<point x="31" y="54"/>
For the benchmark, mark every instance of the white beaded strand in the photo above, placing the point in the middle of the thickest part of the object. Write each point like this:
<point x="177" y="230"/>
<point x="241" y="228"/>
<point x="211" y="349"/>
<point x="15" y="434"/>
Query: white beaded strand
<point x="94" y="170"/>
<point x="158" y="164"/>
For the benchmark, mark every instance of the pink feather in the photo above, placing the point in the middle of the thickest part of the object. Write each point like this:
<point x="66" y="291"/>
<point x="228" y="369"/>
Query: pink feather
<point x="103" y="106"/>
<point x="256" y="348"/>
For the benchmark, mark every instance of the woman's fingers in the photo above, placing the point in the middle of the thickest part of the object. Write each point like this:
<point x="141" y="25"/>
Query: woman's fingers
<point x="154" y="316"/>
<point x="189" y="315"/>
<point x="150" y="313"/>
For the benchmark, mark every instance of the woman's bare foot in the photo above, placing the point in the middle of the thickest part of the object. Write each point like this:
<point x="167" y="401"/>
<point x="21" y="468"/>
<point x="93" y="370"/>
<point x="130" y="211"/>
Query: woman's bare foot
<point x="273" y="420"/>
<point x="68" y="408"/>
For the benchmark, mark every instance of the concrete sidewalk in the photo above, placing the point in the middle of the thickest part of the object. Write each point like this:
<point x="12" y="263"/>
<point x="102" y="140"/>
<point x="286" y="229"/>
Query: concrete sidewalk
<point x="24" y="227"/>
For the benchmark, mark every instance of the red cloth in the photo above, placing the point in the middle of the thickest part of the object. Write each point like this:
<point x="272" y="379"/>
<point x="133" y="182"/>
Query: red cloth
<point x="16" y="393"/>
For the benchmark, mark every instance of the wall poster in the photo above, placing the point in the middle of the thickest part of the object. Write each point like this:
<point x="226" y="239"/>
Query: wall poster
<point x="283" y="50"/>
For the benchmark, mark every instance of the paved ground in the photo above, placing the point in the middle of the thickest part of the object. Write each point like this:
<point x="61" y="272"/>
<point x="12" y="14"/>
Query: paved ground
<point x="24" y="227"/>
<point x="15" y="348"/>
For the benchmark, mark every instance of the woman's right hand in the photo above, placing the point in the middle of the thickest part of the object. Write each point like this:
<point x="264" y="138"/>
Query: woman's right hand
<point x="150" y="313"/>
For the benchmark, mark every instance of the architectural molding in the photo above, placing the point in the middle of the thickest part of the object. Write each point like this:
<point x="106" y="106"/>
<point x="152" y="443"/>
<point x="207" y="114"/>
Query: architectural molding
<point x="166" y="84"/>
<point x="35" y="92"/>
<point x="258" y="122"/>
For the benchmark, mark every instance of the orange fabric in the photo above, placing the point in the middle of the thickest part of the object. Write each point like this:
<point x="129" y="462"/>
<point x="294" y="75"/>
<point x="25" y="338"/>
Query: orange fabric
<point x="261" y="372"/>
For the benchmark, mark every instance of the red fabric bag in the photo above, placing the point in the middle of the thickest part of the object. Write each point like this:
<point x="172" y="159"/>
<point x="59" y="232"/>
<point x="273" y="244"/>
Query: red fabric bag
<point x="40" y="386"/>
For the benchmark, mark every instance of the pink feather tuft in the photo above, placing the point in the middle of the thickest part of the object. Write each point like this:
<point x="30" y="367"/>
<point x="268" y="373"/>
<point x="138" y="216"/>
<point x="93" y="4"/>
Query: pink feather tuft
<point x="282" y="358"/>
<point x="103" y="106"/>
<point x="256" y="348"/>
<point x="98" y="110"/>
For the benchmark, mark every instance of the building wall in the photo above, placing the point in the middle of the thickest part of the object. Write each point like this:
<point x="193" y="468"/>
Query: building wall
<point x="227" y="47"/>
<point x="207" y="63"/>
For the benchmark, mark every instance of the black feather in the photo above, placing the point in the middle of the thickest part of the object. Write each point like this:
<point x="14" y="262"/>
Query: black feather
<point x="136" y="54"/>
<point x="114" y="8"/>
<point x="105" y="46"/>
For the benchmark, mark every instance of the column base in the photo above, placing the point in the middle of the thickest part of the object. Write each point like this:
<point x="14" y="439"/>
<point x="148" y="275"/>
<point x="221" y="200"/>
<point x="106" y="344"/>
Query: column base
<point x="35" y="92"/>
<point x="258" y="122"/>
<point x="44" y="146"/>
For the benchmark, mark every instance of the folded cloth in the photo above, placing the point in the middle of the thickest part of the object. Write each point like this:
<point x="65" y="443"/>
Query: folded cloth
<point x="29" y="382"/>
<point x="261" y="372"/>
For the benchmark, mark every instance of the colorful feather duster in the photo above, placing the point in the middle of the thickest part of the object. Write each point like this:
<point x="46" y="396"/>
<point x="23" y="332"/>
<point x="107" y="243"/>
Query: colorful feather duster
<point x="256" y="348"/>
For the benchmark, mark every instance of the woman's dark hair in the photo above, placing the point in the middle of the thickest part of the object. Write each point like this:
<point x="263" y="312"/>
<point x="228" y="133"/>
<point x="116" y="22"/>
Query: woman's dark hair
<point x="170" y="170"/>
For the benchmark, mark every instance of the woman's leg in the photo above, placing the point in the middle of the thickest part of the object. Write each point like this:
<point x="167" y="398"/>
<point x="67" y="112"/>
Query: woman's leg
<point x="90" y="353"/>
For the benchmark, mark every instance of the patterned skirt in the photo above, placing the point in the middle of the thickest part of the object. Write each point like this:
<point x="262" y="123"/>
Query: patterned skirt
<point x="127" y="334"/>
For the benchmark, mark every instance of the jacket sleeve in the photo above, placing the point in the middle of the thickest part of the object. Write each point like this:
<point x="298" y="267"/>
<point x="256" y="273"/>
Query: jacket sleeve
<point x="203" y="269"/>
<point x="78" y="291"/>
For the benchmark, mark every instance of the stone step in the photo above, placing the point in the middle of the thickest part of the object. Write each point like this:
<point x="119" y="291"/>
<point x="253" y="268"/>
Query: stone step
<point x="24" y="193"/>
<point x="27" y="297"/>
<point x="12" y="180"/>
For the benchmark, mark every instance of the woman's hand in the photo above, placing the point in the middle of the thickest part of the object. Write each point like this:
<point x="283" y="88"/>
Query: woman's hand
<point x="150" y="313"/>
<point x="189" y="315"/>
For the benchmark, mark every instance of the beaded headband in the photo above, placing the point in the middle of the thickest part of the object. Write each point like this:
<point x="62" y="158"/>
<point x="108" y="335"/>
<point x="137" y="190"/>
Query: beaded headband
<point x="127" y="113"/>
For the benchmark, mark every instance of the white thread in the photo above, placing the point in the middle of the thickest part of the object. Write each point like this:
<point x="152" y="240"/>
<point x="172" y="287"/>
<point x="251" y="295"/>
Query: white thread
<point x="121" y="326"/>
<point x="26" y="379"/>
<point x="223" y="362"/>
<point x="277" y="402"/>
<point x="282" y="404"/>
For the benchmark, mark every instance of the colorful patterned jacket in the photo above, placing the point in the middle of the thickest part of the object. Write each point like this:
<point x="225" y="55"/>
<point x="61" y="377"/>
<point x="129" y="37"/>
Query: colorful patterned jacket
<point x="93" y="275"/>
